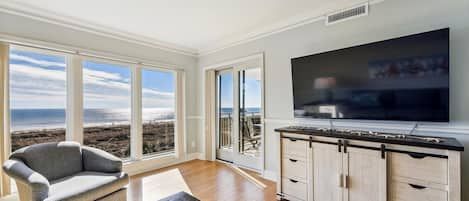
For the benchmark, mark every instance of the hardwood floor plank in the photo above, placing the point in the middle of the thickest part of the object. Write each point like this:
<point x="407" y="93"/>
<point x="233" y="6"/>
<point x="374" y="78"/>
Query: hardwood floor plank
<point x="206" y="180"/>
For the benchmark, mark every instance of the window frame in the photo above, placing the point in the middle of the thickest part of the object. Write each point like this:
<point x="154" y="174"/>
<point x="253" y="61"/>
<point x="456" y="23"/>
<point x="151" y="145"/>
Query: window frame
<point x="84" y="59"/>
<point x="7" y="114"/>
<point x="75" y="99"/>
<point x="179" y="112"/>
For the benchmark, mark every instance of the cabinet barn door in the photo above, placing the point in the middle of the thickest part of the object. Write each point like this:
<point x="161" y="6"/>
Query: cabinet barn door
<point x="327" y="166"/>
<point x="365" y="175"/>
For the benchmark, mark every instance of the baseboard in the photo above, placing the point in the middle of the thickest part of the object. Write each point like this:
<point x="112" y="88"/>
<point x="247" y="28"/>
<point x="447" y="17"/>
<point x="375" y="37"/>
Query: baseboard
<point x="270" y="175"/>
<point x="192" y="156"/>
<point x="201" y="156"/>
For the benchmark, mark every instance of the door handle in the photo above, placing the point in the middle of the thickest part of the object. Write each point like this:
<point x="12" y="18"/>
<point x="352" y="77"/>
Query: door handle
<point x="339" y="145"/>
<point x="346" y="181"/>
<point x="293" y="160"/>
<point x="345" y="146"/>
<point x="293" y="140"/>
<point x="294" y="181"/>
<point x="417" y="186"/>
<point x="417" y="155"/>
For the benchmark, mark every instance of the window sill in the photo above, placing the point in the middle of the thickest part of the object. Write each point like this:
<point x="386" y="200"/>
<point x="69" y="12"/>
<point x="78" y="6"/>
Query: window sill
<point x="129" y="161"/>
<point x="151" y="162"/>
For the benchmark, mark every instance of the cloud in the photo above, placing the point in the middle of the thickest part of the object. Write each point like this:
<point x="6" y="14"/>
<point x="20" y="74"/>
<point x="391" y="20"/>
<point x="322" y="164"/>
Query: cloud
<point x="36" y="61"/>
<point x="37" y="72"/>
<point x="34" y="86"/>
<point x="100" y="75"/>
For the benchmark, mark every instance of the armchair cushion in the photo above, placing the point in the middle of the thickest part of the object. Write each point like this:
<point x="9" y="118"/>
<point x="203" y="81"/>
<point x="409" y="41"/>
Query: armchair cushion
<point x="100" y="161"/>
<point x="86" y="186"/>
<point x="21" y="173"/>
<point x="52" y="160"/>
<point x="66" y="171"/>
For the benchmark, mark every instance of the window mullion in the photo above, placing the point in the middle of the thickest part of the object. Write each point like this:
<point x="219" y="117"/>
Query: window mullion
<point x="136" y="135"/>
<point x="5" y="146"/>
<point x="74" y="110"/>
<point x="180" y="145"/>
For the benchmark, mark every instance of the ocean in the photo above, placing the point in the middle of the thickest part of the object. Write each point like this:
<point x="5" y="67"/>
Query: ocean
<point x="248" y="110"/>
<point x="29" y="119"/>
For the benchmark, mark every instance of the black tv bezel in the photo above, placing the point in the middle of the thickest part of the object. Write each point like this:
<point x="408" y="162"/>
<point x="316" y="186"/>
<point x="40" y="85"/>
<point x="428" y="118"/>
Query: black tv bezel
<point x="376" y="42"/>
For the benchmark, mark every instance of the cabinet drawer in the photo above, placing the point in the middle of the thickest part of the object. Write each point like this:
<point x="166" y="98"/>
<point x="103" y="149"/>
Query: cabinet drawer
<point x="294" y="168"/>
<point x="405" y="192"/>
<point x="294" y="147"/>
<point x="294" y="188"/>
<point x="428" y="169"/>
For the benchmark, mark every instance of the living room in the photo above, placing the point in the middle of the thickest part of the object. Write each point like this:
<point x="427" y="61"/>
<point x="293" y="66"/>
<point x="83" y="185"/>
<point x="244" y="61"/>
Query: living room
<point x="223" y="100"/>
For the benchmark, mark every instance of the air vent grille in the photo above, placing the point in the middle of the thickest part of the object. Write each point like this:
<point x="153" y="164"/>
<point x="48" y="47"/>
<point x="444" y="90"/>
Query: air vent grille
<point x="348" y="14"/>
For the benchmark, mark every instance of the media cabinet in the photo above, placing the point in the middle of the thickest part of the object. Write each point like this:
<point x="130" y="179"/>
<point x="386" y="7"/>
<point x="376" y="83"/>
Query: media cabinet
<point x="328" y="165"/>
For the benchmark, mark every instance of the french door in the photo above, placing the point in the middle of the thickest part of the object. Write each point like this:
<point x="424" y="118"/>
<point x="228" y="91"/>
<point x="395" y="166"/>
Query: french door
<point x="239" y="116"/>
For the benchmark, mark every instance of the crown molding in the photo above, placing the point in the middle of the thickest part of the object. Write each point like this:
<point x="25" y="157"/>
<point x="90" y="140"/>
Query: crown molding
<point x="19" y="9"/>
<point x="287" y="24"/>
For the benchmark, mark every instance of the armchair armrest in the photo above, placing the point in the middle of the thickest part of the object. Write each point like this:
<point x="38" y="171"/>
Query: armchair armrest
<point x="100" y="161"/>
<point x="37" y="183"/>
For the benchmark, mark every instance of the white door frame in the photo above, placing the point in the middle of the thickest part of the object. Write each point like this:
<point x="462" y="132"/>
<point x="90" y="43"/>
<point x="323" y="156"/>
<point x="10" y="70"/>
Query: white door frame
<point x="225" y="155"/>
<point x="211" y="143"/>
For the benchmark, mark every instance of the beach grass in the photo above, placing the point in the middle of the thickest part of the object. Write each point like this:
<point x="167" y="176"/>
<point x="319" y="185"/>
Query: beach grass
<point x="158" y="137"/>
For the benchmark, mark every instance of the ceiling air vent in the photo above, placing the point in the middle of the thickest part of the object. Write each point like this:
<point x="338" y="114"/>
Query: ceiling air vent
<point x="348" y="14"/>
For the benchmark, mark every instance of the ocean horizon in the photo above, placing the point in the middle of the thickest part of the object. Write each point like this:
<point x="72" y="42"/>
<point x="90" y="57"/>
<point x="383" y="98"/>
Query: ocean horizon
<point x="30" y="119"/>
<point x="33" y="119"/>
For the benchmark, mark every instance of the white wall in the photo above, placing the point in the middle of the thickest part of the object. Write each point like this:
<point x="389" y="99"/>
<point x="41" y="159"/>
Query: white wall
<point x="389" y="19"/>
<point x="37" y="30"/>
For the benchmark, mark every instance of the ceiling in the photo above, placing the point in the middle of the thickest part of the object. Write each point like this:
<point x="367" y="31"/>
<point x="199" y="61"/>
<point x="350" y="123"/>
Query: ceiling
<point x="190" y="25"/>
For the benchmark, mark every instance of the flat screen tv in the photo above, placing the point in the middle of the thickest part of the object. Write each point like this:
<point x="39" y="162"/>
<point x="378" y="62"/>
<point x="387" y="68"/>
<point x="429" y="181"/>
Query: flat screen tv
<point x="402" y="79"/>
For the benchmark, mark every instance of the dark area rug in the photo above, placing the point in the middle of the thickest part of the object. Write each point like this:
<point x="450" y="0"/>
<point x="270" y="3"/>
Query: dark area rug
<point x="181" y="196"/>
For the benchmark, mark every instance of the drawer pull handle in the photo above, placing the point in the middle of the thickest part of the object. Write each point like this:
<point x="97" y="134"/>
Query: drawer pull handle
<point x="294" y="181"/>
<point x="293" y="140"/>
<point x="417" y="186"/>
<point x="293" y="160"/>
<point x="417" y="155"/>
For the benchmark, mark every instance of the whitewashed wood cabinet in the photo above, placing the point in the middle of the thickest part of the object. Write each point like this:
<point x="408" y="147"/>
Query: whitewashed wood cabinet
<point x="317" y="168"/>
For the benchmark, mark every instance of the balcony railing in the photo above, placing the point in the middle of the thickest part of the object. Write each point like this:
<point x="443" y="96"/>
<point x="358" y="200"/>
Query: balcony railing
<point x="250" y="127"/>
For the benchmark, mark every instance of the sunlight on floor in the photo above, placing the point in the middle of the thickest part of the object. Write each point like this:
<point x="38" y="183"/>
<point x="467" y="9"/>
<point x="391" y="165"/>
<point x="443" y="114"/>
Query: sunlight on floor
<point x="247" y="176"/>
<point x="158" y="186"/>
<point x="10" y="198"/>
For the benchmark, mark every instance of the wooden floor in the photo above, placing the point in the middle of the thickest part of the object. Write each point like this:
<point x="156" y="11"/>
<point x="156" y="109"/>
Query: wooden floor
<point x="208" y="181"/>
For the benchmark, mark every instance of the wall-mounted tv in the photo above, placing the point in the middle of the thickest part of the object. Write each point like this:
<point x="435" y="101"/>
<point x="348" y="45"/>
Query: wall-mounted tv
<point x="402" y="79"/>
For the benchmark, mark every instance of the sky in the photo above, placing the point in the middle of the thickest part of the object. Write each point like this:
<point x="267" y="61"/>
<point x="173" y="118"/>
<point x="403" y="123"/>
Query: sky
<point x="252" y="89"/>
<point x="39" y="82"/>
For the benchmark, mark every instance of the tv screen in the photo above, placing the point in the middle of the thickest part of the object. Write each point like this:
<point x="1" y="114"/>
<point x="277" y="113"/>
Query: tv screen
<point x="402" y="79"/>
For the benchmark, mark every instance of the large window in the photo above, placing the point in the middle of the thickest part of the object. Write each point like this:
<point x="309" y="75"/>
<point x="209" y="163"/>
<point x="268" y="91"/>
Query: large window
<point x="107" y="107"/>
<point x="158" y="109"/>
<point x="53" y="96"/>
<point x="37" y="98"/>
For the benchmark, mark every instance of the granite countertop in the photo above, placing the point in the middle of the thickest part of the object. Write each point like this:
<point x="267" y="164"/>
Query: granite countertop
<point x="445" y="143"/>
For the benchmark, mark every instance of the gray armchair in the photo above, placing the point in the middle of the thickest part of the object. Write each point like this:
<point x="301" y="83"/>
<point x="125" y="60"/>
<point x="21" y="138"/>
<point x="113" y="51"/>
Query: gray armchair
<point x="66" y="171"/>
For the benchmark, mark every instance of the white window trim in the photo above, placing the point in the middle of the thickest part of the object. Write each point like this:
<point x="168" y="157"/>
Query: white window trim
<point x="74" y="107"/>
<point x="73" y="110"/>
<point x="136" y="134"/>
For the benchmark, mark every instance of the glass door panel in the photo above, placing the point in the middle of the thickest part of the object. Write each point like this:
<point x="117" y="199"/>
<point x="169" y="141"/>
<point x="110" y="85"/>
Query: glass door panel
<point x="250" y="126"/>
<point x="239" y="116"/>
<point x="225" y="115"/>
